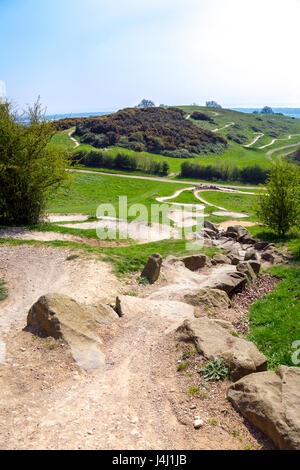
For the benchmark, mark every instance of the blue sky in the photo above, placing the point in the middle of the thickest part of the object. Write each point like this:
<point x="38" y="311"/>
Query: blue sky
<point x="92" y="55"/>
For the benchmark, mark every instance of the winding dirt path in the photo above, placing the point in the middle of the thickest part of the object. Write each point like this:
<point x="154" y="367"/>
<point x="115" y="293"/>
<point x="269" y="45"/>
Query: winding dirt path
<point x="254" y="141"/>
<point x="224" y="127"/>
<point x="270" y="152"/>
<point x="73" y="140"/>
<point x="275" y="140"/>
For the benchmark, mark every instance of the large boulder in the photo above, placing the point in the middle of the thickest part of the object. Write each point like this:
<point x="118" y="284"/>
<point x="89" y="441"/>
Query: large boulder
<point x="246" y="268"/>
<point x="211" y="298"/>
<point x="260" y="245"/>
<point x="229" y="282"/>
<point x="255" y="265"/>
<point x="209" y="225"/>
<point x="194" y="262"/>
<point x="251" y="254"/>
<point x="221" y="259"/>
<point x="217" y="339"/>
<point x="78" y="325"/>
<point x="239" y="230"/>
<point x="152" y="269"/>
<point x="271" y="401"/>
<point x="272" y="255"/>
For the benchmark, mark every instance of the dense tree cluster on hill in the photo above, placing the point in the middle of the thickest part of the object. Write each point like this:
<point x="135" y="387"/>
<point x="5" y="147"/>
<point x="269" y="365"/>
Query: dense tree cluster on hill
<point x="267" y="110"/>
<point x="146" y="104"/>
<point x="213" y="104"/>
<point x="198" y="116"/>
<point x="224" y="172"/>
<point x="155" y="130"/>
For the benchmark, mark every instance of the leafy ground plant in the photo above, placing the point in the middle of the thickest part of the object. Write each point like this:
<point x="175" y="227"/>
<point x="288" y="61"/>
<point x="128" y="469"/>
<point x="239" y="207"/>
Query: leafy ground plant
<point x="215" y="370"/>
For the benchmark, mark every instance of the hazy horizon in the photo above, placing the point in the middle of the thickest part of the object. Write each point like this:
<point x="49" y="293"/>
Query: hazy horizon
<point x="88" y="56"/>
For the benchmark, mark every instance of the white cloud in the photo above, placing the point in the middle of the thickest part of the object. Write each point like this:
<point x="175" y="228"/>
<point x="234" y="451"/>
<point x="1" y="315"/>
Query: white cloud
<point x="2" y="91"/>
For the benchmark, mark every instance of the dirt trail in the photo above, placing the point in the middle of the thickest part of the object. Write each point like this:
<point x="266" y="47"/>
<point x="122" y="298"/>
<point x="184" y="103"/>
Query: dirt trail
<point x="224" y="127"/>
<point x="270" y="152"/>
<point x="73" y="140"/>
<point x="275" y="140"/>
<point x="135" y="402"/>
<point x="254" y="141"/>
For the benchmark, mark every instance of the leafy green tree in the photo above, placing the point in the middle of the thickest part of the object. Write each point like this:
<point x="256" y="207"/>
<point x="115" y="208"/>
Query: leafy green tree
<point x="279" y="205"/>
<point x="30" y="168"/>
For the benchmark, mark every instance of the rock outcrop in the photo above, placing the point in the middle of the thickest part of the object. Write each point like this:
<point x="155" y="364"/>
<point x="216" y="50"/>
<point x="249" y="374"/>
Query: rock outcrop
<point x="229" y="282"/>
<point x="217" y="339"/>
<point x="152" y="268"/>
<point x="221" y="259"/>
<point x="271" y="401"/>
<point x="206" y="297"/>
<point x="78" y="325"/>
<point x="194" y="262"/>
<point x="172" y="311"/>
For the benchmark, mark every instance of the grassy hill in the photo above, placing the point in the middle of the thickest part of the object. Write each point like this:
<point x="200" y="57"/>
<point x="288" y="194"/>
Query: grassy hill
<point x="156" y="130"/>
<point x="245" y="135"/>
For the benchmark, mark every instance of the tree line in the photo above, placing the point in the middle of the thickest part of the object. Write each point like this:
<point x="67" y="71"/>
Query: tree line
<point x="225" y="171"/>
<point x="120" y="161"/>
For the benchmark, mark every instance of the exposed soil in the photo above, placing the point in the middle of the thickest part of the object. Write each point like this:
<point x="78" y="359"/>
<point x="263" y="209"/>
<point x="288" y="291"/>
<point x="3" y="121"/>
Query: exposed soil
<point x="137" y="401"/>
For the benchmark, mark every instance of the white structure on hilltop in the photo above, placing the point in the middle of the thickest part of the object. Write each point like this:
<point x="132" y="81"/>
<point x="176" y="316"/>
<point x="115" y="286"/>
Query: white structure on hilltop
<point x="2" y="92"/>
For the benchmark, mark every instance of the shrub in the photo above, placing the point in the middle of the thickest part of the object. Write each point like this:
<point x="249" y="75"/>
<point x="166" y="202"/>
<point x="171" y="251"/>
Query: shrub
<point x="225" y="172"/>
<point x="29" y="167"/>
<point x="279" y="206"/>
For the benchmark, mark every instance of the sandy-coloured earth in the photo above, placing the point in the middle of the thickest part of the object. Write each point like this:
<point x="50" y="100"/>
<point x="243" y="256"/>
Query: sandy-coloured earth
<point x="137" y="401"/>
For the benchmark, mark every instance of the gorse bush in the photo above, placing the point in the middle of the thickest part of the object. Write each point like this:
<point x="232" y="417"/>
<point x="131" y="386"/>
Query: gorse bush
<point x="29" y="167"/>
<point x="120" y="161"/>
<point x="155" y="130"/>
<point x="225" y="172"/>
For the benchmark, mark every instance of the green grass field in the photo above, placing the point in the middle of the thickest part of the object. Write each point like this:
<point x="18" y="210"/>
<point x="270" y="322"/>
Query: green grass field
<point x="88" y="191"/>
<point x="231" y="202"/>
<point x="275" y="319"/>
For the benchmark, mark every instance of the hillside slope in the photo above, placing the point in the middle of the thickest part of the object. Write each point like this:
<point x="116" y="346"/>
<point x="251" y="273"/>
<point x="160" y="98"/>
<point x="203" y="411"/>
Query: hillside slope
<point x="156" y="130"/>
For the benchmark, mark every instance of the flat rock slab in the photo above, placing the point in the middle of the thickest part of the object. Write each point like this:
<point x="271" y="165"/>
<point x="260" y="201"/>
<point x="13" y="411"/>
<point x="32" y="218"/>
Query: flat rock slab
<point x="171" y="311"/>
<point x="271" y="401"/>
<point x="215" y="339"/>
<point x="79" y="325"/>
<point x="210" y="298"/>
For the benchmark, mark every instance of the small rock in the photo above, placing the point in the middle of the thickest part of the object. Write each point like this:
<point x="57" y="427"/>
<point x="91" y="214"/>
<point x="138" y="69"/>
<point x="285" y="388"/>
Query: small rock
<point x="198" y="423"/>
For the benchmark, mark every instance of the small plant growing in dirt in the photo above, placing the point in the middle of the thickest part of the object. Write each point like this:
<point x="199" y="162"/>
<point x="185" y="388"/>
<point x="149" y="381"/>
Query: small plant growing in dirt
<point x="182" y="366"/>
<point x="194" y="391"/>
<point x="185" y="356"/>
<point x="3" y="291"/>
<point x="71" y="257"/>
<point x="215" y="370"/>
<point x="143" y="281"/>
<point x="213" y="422"/>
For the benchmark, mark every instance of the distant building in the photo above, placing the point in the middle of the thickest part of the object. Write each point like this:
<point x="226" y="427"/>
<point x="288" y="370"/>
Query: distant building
<point x="2" y="92"/>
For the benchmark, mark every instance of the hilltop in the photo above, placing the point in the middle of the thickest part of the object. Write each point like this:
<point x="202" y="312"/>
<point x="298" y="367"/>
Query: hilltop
<point x="156" y="130"/>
